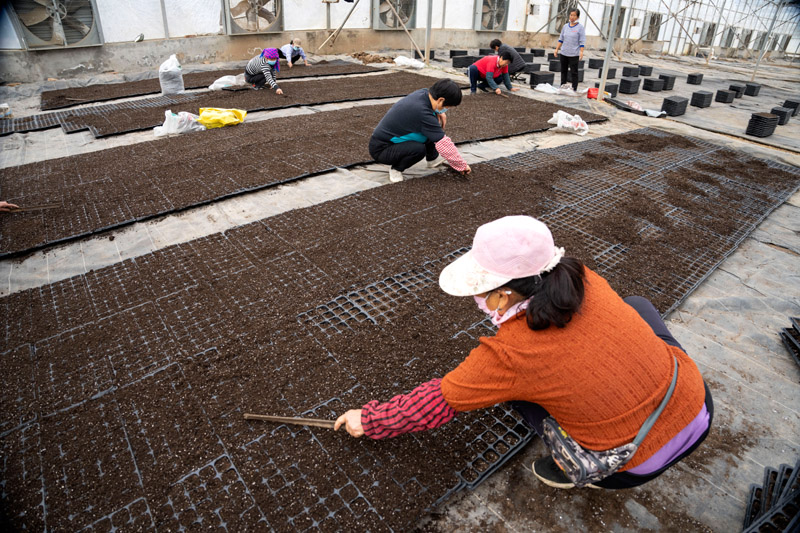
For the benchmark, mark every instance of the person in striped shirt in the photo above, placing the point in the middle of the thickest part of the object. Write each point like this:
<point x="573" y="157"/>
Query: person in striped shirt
<point x="567" y="346"/>
<point x="414" y="128"/>
<point x="263" y="69"/>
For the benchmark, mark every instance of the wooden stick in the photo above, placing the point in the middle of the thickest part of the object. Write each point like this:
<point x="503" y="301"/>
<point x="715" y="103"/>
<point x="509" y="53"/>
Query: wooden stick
<point x="315" y="422"/>
<point x="339" y="29"/>
<point x="396" y="14"/>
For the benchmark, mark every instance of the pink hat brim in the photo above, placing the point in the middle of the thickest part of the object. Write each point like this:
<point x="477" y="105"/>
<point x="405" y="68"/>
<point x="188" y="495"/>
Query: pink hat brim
<point x="465" y="277"/>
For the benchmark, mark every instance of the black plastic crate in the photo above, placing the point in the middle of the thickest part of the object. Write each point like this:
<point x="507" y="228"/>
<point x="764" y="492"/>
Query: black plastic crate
<point x="542" y="77"/>
<point x="669" y="81"/>
<point x="675" y="106"/>
<point x="645" y="70"/>
<point x="702" y="98"/>
<point x="595" y="63"/>
<point x="752" y="89"/>
<point x="463" y="61"/>
<point x="538" y="52"/>
<point x="762" y="124"/>
<point x="653" y="84"/>
<point x="726" y="97"/>
<point x="454" y="53"/>
<point x="610" y="88"/>
<point x="790" y="340"/>
<point x="526" y="57"/>
<point x="417" y="56"/>
<point x="520" y="49"/>
<point x="555" y="65"/>
<point x="580" y="76"/>
<point x="794" y="104"/>
<point x="486" y="52"/>
<point x="784" y="113"/>
<point x="629" y="85"/>
<point x="630" y="72"/>
<point x="581" y="64"/>
<point x="694" y="79"/>
<point x="551" y="56"/>
<point x="612" y="73"/>
<point x="531" y="67"/>
<point x="738" y="88"/>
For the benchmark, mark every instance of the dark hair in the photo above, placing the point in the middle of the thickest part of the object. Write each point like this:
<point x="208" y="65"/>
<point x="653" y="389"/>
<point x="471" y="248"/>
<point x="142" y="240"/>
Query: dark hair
<point x="447" y="89"/>
<point x="576" y="11"/>
<point x="507" y="56"/>
<point x="555" y="296"/>
<point x="495" y="44"/>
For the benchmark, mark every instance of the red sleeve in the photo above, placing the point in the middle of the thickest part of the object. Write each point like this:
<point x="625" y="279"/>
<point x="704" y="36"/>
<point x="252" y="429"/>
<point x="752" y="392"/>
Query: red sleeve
<point x="448" y="150"/>
<point x="422" y="408"/>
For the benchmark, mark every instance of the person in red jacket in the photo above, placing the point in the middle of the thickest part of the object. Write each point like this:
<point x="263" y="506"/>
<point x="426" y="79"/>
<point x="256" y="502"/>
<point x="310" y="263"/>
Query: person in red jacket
<point x="568" y="347"/>
<point x="484" y="73"/>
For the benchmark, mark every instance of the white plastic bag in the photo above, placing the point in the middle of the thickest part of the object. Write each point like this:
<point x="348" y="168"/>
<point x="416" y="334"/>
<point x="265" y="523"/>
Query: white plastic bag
<point x="5" y="110"/>
<point x="546" y="88"/>
<point x="569" y="123"/>
<point x="227" y="81"/>
<point x="634" y="105"/>
<point x="403" y="61"/>
<point x="174" y="124"/>
<point x="171" y="76"/>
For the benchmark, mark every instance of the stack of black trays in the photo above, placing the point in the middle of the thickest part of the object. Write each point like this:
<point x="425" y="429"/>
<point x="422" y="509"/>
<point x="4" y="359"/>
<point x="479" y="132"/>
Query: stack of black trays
<point x="645" y="71"/>
<point x="528" y="58"/>
<point x="752" y="89"/>
<point x="611" y="88"/>
<point x="738" y="87"/>
<point x="555" y="65"/>
<point x="541" y="77"/>
<point x="417" y="56"/>
<point x="454" y="53"/>
<point x="762" y="124"/>
<point x="581" y="64"/>
<point x="551" y="56"/>
<point x="595" y="63"/>
<point x="520" y="49"/>
<point x="784" y="113"/>
<point x="629" y="85"/>
<point x="580" y="76"/>
<point x="486" y="52"/>
<point x="669" y="81"/>
<point x="652" y="84"/>
<point x="794" y="104"/>
<point x="773" y="505"/>
<point x="630" y="72"/>
<point x="726" y="97"/>
<point x="675" y="106"/>
<point x="694" y="79"/>
<point x="464" y="61"/>
<point x="538" y="52"/>
<point x="612" y="73"/>
<point x="531" y="67"/>
<point x="702" y="98"/>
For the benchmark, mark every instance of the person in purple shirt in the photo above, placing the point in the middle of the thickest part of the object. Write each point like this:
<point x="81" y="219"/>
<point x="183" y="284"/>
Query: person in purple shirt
<point x="571" y="43"/>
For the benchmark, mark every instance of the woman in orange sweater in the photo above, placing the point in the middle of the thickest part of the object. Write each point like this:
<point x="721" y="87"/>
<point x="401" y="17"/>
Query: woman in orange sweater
<point x="567" y="347"/>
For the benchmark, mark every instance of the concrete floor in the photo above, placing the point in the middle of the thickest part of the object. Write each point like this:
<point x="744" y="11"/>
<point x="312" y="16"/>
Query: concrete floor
<point x="729" y="325"/>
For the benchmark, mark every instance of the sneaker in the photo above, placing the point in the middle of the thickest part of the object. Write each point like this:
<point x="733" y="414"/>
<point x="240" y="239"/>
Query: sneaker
<point x="436" y="162"/>
<point x="550" y="474"/>
<point x="395" y="175"/>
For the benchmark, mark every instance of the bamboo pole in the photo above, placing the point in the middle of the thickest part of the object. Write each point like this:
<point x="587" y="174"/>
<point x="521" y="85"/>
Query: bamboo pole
<point x="396" y="14"/>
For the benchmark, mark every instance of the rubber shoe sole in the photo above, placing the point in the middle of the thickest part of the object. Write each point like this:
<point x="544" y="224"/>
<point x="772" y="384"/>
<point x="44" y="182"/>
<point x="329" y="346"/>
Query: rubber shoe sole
<point x="550" y="474"/>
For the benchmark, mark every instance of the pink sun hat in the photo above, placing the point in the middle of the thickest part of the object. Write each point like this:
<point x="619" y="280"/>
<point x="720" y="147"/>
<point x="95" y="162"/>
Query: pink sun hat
<point x="507" y="248"/>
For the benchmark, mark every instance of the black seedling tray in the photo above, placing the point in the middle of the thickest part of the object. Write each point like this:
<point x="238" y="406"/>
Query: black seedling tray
<point x="754" y="502"/>
<point x="791" y="343"/>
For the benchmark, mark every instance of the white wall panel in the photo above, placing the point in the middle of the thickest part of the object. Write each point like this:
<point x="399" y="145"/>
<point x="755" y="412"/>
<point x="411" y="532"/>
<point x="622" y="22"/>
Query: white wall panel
<point x="123" y="20"/>
<point x="358" y="20"/>
<point x="306" y="14"/>
<point x="459" y="14"/>
<point x="193" y="17"/>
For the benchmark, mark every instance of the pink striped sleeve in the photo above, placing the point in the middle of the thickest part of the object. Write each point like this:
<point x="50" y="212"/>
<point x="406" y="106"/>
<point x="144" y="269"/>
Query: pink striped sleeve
<point x="422" y="408"/>
<point x="448" y="150"/>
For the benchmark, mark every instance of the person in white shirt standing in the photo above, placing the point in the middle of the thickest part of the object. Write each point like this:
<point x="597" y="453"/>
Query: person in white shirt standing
<point x="292" y="53"/>
<point x="571" y="43"/>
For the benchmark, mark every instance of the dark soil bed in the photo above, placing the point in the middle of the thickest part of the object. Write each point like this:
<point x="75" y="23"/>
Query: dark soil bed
<point x="124" y="184"/>
<point x="124" y="389"/>
<point x="61" y="98"/>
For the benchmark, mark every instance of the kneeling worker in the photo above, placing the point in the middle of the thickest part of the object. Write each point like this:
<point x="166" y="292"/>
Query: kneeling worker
<point x="414" y="128"/>
<point x="263" y="69"/>
<point x="487" y="69"/>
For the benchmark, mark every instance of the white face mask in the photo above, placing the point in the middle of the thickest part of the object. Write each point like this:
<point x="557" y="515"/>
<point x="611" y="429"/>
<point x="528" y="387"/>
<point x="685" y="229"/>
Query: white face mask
<point x="495" y="315"/>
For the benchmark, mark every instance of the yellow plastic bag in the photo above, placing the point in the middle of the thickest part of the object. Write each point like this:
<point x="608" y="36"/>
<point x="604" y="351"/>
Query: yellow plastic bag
<point x="212" y="117"/>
